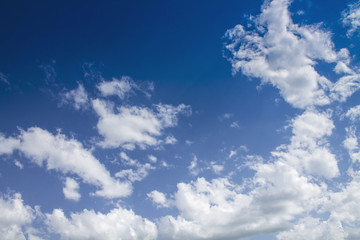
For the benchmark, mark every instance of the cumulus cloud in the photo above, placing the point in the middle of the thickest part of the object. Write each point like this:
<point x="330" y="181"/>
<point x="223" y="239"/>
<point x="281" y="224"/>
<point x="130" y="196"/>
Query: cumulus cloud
<point x="220" y="210"/>
<point x="193" y="167"/>
<point x="138" y="174"/>
<point x="352" y="145"/>
<point x="124" y="87"/>
<point x="351" y="18"/>
<point x="284" y="54"/>
<point x="308" y="150"/>
<point x="280" y="191"/>
<point x="135" y="126"/>
<point x="159" y="199"/>
<point x="152" y="158"/>
<point x="118" y="87"/>
<point x="71" y="190"/>
<point x="117" y="224"/>
<point x="67" y="156"/>
<point x="77" y="97"/>
<point x="341" y="220"/>
<point x="7" y="145"/>
<point x="15" y="217"/>
<point x="353" y="113"/>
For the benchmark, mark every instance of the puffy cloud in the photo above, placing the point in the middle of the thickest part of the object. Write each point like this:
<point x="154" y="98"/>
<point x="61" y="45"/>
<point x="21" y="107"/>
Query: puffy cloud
<point x="18" y="164"/>
<point x="67" y="156"/>
<point x="352" y="145"/>
<point x="7" y="145"/>
<point x="14" y="217"/>
<point x="284" y="54"/>
<point x="135" y="175"/>
<point x="232" y="153"/>
<point x="71" y="189"/>
<point x="351" y="18"/>
<point x="152" y="158"/>
<point x="132" y="126"/>
<point x="217" y="169"/>
<point x="313" y="228"/>
<point x="159" y="199"/>
<point x="341" y="216"/>
<point x="119" y="87"/>
<point x="124" y="87"/>
<point x="220" y="210"/>
<point x="117" y="224"/>
<point x="353" y="113"/>
<point x="193" y="167"/>
<point x="77" y="97"/>
<point x="308" y="150"/>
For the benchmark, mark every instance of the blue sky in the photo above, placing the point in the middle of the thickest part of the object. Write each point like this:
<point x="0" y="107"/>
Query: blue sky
<point x="179" y="120"/>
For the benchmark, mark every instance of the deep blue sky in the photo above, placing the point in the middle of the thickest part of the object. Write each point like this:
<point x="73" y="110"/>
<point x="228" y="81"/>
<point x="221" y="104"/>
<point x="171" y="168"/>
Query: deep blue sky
<point x="243" y="126"/>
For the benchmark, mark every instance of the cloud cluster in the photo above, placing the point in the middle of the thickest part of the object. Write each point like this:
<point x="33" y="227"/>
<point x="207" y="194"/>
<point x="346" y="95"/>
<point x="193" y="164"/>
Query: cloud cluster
<point x="123" y="87"/>
<point x="119" y="223"/>
<point x="118" y="87"/>
<point x="67" y="156"/>
<point x="351" y="18"/>
<point x="77" y="97"/>
<point x="133" y="126"/>
<point x="285" y="54"/>
<point x="308" y="150"/>
<point x="71" y="189"/>
<point x="15" y="218"/>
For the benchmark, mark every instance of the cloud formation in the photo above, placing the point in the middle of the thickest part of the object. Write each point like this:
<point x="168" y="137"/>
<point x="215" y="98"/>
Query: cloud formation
<point x="351" y="18"/>
<point x="117" y="224"/>
<point x="285" y="54"/>
<point x="15" y="218"/>
<point x="66" y="156"/>
<point x="77" y="97"/>
<point x="133" y="126"/>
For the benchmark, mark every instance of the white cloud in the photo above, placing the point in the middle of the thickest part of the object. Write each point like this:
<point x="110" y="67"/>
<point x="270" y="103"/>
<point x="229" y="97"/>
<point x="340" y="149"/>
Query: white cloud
<point x="217" y="169"/>
<point x="307" y="150"/>
<point x="351" y="18"/>
<point x="284" y="54"/>
<point x="152" y="158"/>
<point x="135" y="125"/>
<point x="353" y="113"/>
<point x="219" y="210"/>
<point x="68" y="156"/>
<point x="159" y="199"/>
<point x="193" y="167"/>
<point x="119" y="87"/>
<point x="232" y="153"/>
<point x="235" y="124"/>
<point x="312" y="229"/>
<point x="170" y="140"/>
<point x="117" y="224"/>
<point x="225" y="116"/>
<point x="18" y="164"/>
<point x="71" y="190"/>
<point x="7" y="145"/>
<point x="352" y="145"/>
<point x="341" y="216"/>
<point x="77" y="97"/>
<point x="139" y="174"/>
<point x="14" y="217"/>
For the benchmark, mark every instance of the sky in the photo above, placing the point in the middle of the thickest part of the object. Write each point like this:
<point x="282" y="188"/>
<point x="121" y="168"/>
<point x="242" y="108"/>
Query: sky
<point x="179" y="119"/>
